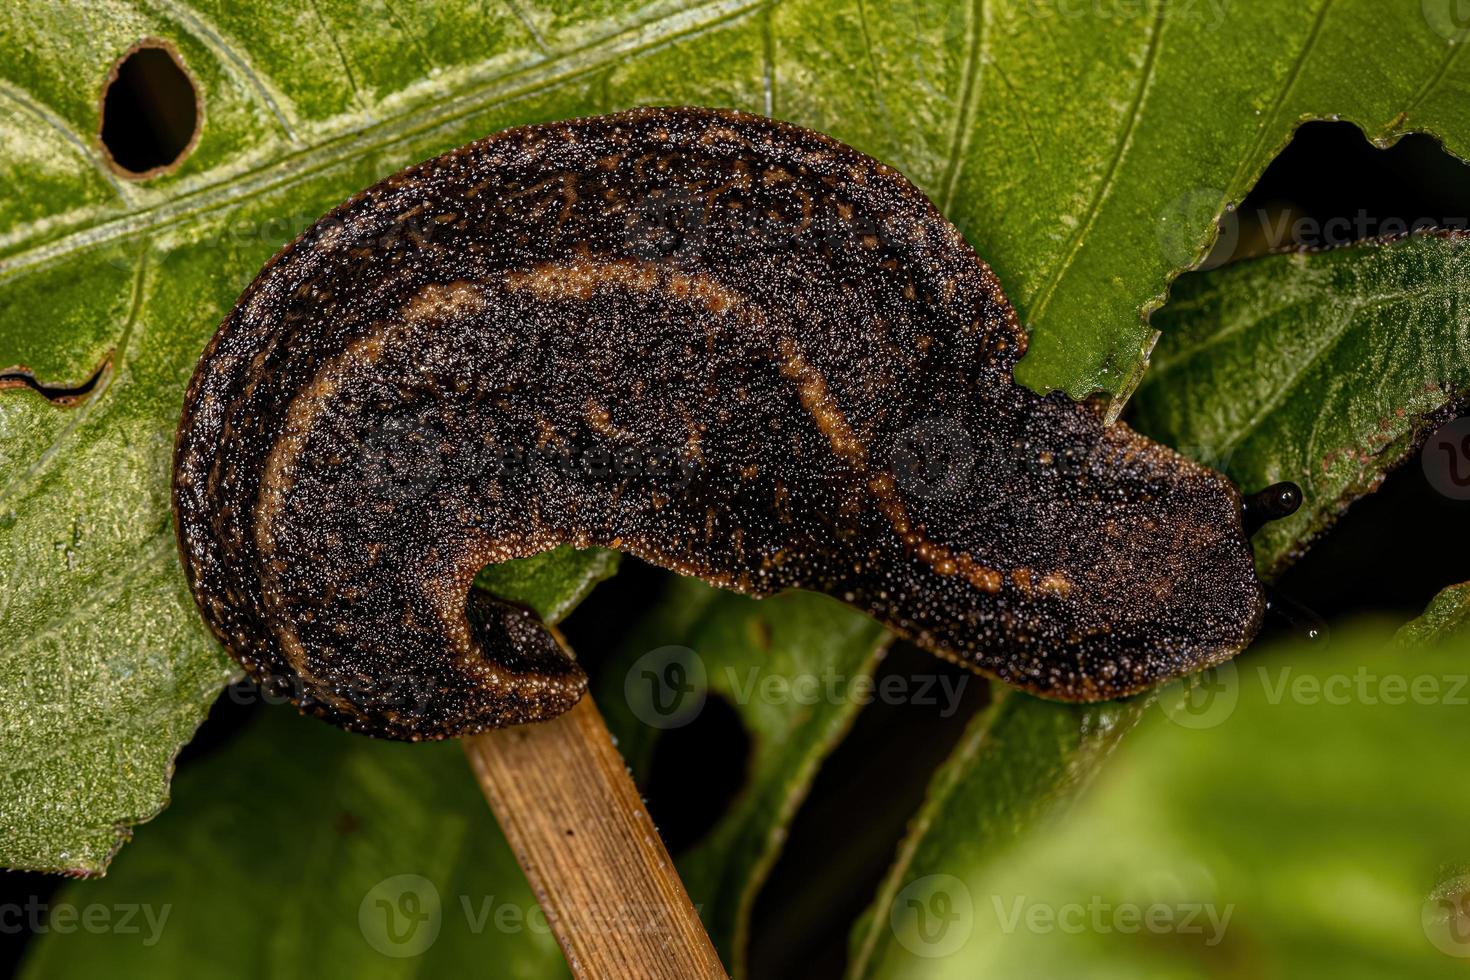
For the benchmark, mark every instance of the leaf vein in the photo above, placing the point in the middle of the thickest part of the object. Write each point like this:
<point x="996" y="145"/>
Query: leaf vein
<point x="1434" y="80"/>
<point x="211" y="38"/>
<point x="1268" y="120"/>
<point x="530" y="26"/>
<point x="1125" y="143"/>
<point x="341" y="54"/>
<point x="1350" y="319"/>
<point x="408" y="32"/>
<point x="293" y="168"/>
<point x="81" y="413"/>
<point x="873" y="75"/>
<point x="30" y="104"/>
<point x="970" y="81"/>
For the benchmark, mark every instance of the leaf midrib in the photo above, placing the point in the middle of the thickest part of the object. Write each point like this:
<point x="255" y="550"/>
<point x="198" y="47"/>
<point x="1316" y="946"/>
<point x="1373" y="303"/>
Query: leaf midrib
<point x="354" y="142"/>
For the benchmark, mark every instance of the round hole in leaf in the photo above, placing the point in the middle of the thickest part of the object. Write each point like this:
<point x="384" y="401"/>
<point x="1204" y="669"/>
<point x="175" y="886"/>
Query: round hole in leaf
<point x="150" y="111"/>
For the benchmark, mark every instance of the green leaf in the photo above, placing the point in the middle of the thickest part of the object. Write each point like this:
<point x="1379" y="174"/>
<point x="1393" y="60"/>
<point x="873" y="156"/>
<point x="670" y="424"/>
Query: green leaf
<point x="302" y="851"/>
<point x="106" y="669"/>
<point x="796" y="668"/>
<point x="96" y="696"/>
<point x="1243" y="827"/>
<point x="1017" y="763"/>
<point x="1085" y="156"/>
<point x="551" y="583"/>
<point x="1266" y="368"/>
<point x="1086" y="150"/>
<point x="1322" y="368"/>
<point x="1446" y="618"/>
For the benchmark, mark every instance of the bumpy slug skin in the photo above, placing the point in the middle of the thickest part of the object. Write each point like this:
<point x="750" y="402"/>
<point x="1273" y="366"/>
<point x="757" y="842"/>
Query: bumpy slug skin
<point x="732" y="347"/>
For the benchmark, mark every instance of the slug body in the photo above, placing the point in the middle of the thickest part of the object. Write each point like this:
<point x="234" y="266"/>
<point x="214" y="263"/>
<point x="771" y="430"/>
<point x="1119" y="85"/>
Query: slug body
<point x="729" y="346"/>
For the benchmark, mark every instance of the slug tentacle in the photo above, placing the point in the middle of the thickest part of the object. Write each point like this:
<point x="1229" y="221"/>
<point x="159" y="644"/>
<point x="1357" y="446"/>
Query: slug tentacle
<point x="734" y="348"/>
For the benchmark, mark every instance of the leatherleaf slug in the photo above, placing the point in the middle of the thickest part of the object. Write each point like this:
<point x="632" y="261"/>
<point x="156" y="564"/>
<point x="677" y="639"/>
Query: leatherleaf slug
<point x="729" y="346"/>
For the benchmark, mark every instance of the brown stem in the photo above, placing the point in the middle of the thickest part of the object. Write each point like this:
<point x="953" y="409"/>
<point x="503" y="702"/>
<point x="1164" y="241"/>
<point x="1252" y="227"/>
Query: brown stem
<point x="578" y="827"/>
